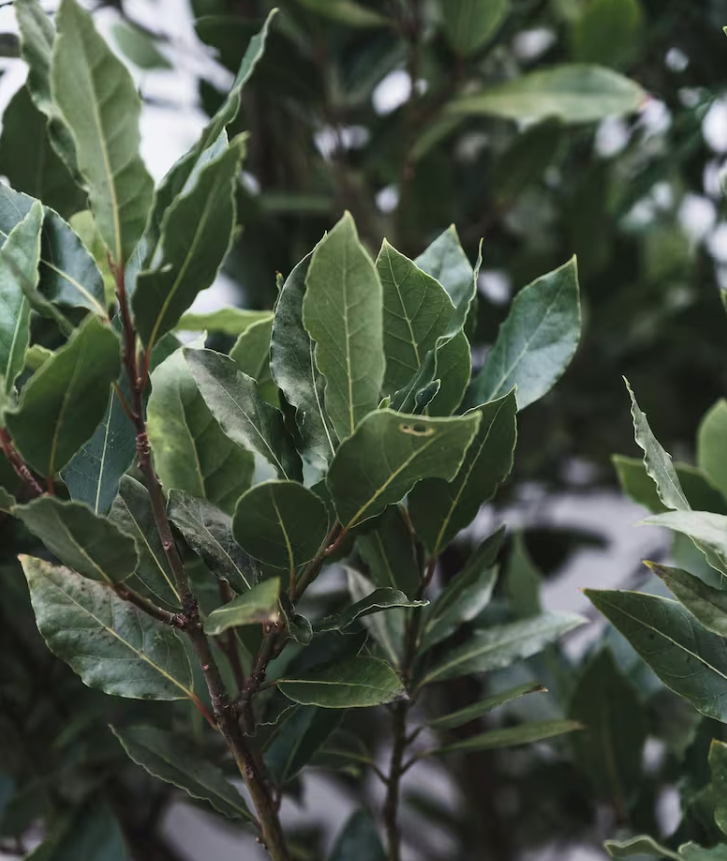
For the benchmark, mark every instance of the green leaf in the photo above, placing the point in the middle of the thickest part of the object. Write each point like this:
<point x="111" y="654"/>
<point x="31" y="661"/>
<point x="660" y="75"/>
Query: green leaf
<point x="208" y="532"/>
<point x="19" y="258"/>
<point x="707" y="530"/>
<point x="234" y="400"/>
<point x="525" y="161"/>
<point x="502" y="645"/>
<point x="641" y="845"/>
<point x="358" y="841"/>
<point x="191" y="452"/>
<point x="99" y="103"/>
<point x="711" y="439"/>
<point x="91" y="833"/>
<point x="574" y="93"/>
<point x="65" y="400"/>
<point x="707" y="604"/>
<point x="293" y="366"/>
<point x="111" y="644"/>
<point x="139" y="47"/>
<point x="297" y="739"/>
<point x="718" y="769"/>
<point x="388" y="454"/>
<point x="91" y="545"/>
<point x="68" y="274"/>
<point x="258" y="605"/>
<point x="354" y="683"/>
<point x="251" y="351"/>
<point x="615" y="727"/>
<point x="466" y="595"/>
<point x="607" y="32"/>
<point x="380" y="599"/>
<point x="346" y="12"/>
<point x="175" y="761"/>
<point x="387" y="629"/>
<point x="636" y="483"/>
<point x="522" y="580"/>
<point x="389" y="553"/>
<point x="30" y="162"/>
<point x="446" y="261"/>
<point x="133" y="514"/>
<point x="196" y="236"/>
<point x="342" y="312"/>
<point x="470" y="24"/>
<point x="281" y="523"/>
<point x="689" y="659"/>
<point x="537" y="341"/>
<point x="439" y="509"/>
<point x="526" y="733"/>
<point x="483" y="707"/>
<point x="693" y="852"/>
<point x="226" y="321"/>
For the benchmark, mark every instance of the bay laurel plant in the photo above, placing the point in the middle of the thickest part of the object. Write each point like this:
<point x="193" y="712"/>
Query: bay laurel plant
<point x="188" y="498"/>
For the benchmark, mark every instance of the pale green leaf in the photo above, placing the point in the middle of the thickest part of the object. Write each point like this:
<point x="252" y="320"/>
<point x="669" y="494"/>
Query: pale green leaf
<point x="711" y="441"/>
<point x="641" y="845"/>
<point x="139" y="47"/>
<point x="251" y="351"/>
<point x="227" y="321"/>
<point x="354" y="683"/>
<point x="254" y="607"/>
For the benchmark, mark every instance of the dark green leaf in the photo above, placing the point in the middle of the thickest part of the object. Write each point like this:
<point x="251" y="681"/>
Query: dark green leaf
<point x="92" y="833"/>
<point x="527" y="159"/>
<point x="110" y="644"/>
<point x="718" y="770"/>
<point x="342" y="312"/>
<point x="522" y="580"/>
<point x="526" y="733"/>
<point x="389" y="553"/>
<point x="380" y="599"/>
<point x="470" y="24"/>
<point x="346" y="12"/>
<point x="297" y="739"/>
<point x="485" y="705"/>
<point x="258" y="605"/>
<point x="707" y="604"/>
<point x="353" y="683"/>
<point x="89" y="544"/>
<point x="65" y="400"/>
<point x="175" y="761"/>
<point x="607" y="32"/>
<point x="388" y="454"/>
<point x="440" y="509"/>
<point x="358" y="841"/>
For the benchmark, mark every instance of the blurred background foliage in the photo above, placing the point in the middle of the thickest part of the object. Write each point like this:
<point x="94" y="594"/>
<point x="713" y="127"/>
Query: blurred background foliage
<point x="350" y="108"/>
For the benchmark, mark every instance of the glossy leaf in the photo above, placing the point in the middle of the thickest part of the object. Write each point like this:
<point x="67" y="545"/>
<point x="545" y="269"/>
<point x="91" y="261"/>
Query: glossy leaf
<point x="208" y="532"/>
<point x="89" y="544"/>
<point x="389" y="553"/>
<point x="615" y="727"/>
<point x="294" y="369"/>
<point x="574" y="93"/>
<point x="536" y="342"/>
<point x="526" y="733"/>
<point x="440" y="509"/>
<point x="65" y="400"/>
<point x="502" y="645"/>
<point x="711" y="440"/>
<point x="388" y="454"/>
<point x="173" y="760"/>
<point x="358" y="841"/>
<point x="110" y="643"/>
<point x="299" y="736"/>
<point x="342" y="313"/>
<point x="690" y="660"/>
<point x="196" y="236"/>
<point x="380" y="599"/>
<point x="354" y="683"/>
<point x="258" y="605"/>
<point x="466" y="595"/>
<point x="470" y="24"/>
<point x="234" y="400"/>
<point x="641" y="845"/>
<point x="132" y="513"/>
<point x="190" y="450"/>
<point x="483" y="707"/>
<point x="707" y="604"/>
<point x="19" y="256"/>
<point x="281" y="523"/>
<point x="89" y="81"/>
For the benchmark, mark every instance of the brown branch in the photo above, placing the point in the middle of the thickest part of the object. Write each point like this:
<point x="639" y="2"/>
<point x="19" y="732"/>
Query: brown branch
<point x="175" y="620"/>
<point x="18" y="464"/>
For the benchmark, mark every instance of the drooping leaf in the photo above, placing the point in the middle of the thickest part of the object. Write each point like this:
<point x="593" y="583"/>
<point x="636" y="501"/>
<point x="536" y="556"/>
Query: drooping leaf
<point x="281" y="523"/>
<point x="536" y="342"/>
<point x="258" y="605"/>
<point x="227" y="321"/>
<point x="190" y="450"/>
<point x="86" y="542"/>
<point x="111" y="644"/>
<point x="293" y="366"/>
<point x="718" y="770"/>
<point x="358" y="841"/>
<point x="89" y="81"/>
<point x="689" y="659"/>
<point x="208" y="532"/>
<point x="439" y="509"/>
<point x="711" y="439"/>
<point x="234" y="400"/>
<point x="707" y="604"/>
<point x="342" y="313"/>
<point x="354" y="683"/>
<point x="92" y="833"/>
<point x="173" y="760"/>
<point x="501" y="645"/>
<point x="485" y="705"/>
<point x="65" y="400"/>
<point x="132" y="513"/>
<point x="388" y="454"/>
<point x="610" y="748"/>
<point x="19" y="256"/>
<point x="466" y="595"/>
<point x="29" y="160"/>
<point x="389" y="553"/>
<point x="196" y="236"/>
<point x="526" y="733"/>
<point x="574" y="93"/>
<point x="297" y="739"/>
<point x="380" y="599"/>
<point x="641" y="845"/>
<point x="470" y="24"/>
